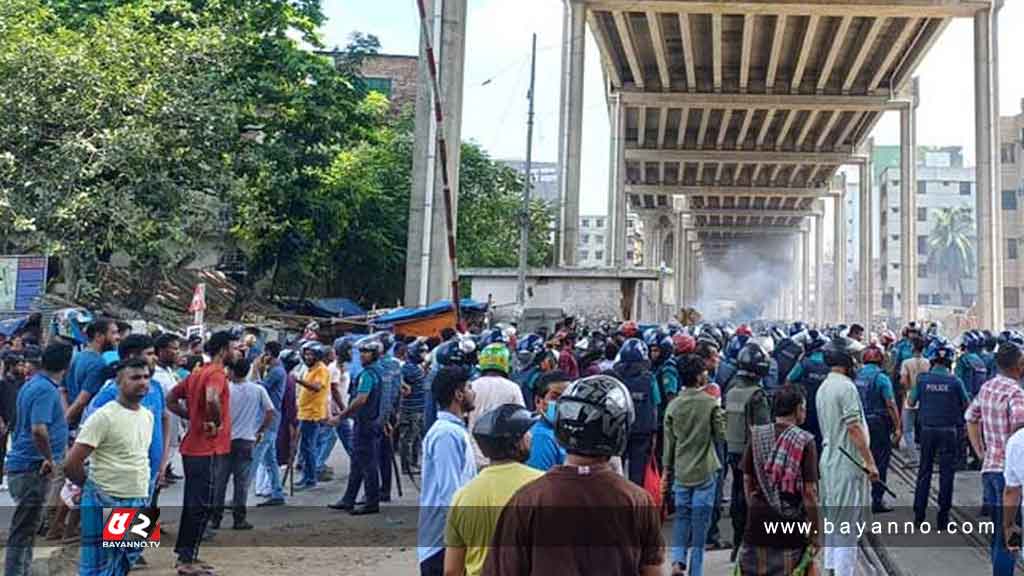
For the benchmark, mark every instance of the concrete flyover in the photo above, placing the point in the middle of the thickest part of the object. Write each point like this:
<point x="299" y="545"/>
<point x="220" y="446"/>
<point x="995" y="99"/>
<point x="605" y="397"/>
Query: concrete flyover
<point x="737" y="115"/>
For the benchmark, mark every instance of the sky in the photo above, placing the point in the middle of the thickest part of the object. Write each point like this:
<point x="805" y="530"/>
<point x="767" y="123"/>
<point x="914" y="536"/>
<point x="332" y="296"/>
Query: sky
<point x="497" y="75"/>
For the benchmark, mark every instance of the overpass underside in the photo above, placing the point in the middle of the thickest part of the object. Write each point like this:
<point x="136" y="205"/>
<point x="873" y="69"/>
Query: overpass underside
<point x="730" y="121"/>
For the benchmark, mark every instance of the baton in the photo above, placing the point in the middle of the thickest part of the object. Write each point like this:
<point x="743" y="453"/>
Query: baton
<point x="394" y="465"/>
<point x="864" y="469"/>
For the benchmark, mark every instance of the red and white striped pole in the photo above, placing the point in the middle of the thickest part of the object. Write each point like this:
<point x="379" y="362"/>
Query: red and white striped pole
<point x="449" y="216"/>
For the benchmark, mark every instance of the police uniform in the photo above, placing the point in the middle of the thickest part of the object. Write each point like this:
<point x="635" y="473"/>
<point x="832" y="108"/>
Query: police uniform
<point x="875" y="388"/>
<point x="739" y="417"/>
<point x="810" y="373"/>
<point x="644" y="391"/>
<point x="942" y="399"/>
<point x="367" y="435"/>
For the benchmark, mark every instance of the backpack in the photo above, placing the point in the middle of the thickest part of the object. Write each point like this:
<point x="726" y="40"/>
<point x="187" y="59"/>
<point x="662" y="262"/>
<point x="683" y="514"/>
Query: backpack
<point x="977" y="374"/>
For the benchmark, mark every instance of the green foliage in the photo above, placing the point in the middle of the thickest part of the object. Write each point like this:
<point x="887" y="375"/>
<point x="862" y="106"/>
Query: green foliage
<point x="951" y="248"/>
<point x="490" y="208"/>
<point x="114" y="137"/>
<point x="152" y="129"/>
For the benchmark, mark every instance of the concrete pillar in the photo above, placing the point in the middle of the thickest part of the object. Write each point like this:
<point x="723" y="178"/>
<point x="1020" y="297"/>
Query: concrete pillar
<point x="819" y="262"/>
<point x="865" y="287"/>
<point x="908" y="212"/>
<point x="677" y="265"/>
<point x="617" y="201"/>
<point x="428" y="273"/>
<point x="805" y="283"/>
<point x="986" y="132"/>
<point x="571" y="127"/>
<point x="687" y="270"/>
<point x="839" y="258"/>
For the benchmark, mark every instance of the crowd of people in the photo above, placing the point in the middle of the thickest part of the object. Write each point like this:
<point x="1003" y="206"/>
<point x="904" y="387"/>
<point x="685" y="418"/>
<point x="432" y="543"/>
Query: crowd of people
<point x="538" y="453"/>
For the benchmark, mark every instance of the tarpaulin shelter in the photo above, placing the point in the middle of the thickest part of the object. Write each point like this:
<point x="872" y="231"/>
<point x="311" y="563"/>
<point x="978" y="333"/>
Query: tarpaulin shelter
<point x="427" y="320"/>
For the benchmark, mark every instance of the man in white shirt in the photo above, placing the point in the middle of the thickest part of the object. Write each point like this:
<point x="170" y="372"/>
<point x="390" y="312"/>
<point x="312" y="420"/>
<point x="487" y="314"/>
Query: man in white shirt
<point x="168" y="347"/>
<point x="493" y="389"/>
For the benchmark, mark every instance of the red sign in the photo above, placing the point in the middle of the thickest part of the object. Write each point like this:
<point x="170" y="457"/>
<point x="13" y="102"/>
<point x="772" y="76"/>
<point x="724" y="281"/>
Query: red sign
<point x="132" y="527"/>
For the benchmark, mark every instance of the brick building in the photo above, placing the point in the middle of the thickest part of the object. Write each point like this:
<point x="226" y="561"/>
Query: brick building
<point x="393" y="75"/>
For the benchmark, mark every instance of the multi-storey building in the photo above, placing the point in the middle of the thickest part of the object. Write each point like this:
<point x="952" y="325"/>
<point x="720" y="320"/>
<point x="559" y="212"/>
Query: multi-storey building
<point x="1011" y="149"/>
<point x="943" y="183"/>
<point x="593" y="241"/>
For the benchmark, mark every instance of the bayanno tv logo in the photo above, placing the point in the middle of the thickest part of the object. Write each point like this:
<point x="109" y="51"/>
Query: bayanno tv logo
<point x="132" y="528"/>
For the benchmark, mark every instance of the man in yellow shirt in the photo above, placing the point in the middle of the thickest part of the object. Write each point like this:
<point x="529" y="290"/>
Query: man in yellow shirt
<point x="314" y="387"/>
<point x="503" y="435"/>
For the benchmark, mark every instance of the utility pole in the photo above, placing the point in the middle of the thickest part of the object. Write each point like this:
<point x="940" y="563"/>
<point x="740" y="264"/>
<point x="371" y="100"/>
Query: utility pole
<point x="524" y="234"/>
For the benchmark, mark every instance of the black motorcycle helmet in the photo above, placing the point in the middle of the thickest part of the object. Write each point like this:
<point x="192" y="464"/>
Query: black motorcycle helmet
<point x="498" y="431"/>
<point x="815" y="341"/>
<point x="593" y="417"/>
<point x="839" y="353"/>
<point x="752" y="359"/>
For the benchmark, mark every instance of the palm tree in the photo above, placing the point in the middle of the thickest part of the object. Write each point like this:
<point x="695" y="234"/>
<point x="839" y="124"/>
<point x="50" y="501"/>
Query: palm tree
<point x="951" y="247"/>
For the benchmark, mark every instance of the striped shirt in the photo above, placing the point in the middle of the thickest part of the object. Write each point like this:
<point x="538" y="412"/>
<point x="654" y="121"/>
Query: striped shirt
<point x="999" y="406"/>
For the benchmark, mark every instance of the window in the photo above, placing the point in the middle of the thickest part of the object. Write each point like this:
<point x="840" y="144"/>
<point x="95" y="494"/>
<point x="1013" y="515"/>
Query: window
<point x="584" y="255"/>
<point x="922" y="187"/>
<point x="895" y="209"/>
<point x="922" y="270"/>
<point x="599" y="255"/>
<point x="599" y="223"/>
<point x="922" y="214"/>
<point x="965" y="188"/>
<point x="894" y="237"/>
<point x="585" y="238"/>
<point x="598" y="239"/>
<point x="1011" y="297"/>
<point x="1011" y="248"/>
<point x="585" y="223"/>
<point x="887" y="301"/>
<point x="382" y="85"/>
<point x="922" y="245"/>
<point x="924" y="298"/>
<point x="1009" y="199"/>
<point x="1008" y="153"/>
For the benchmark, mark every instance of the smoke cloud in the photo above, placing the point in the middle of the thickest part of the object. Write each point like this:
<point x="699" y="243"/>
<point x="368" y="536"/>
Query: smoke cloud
<point x="740" y="284"/>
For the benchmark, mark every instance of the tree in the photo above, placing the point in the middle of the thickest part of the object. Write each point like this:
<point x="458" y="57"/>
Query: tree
<point x="115" y="137"/>
<point x="490" y="208"/>
<point x="951" y="248"/>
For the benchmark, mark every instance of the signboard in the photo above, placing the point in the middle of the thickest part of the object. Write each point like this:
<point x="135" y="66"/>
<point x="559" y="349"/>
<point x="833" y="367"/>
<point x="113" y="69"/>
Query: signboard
<point x="193" y="331"/>
<point x="937" y="160"/>
<point x="198" y="298"/>
<point x="22" y="280"/>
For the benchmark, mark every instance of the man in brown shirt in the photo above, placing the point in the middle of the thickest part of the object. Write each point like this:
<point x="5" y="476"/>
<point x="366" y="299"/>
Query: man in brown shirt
<point x="582" y="518"/>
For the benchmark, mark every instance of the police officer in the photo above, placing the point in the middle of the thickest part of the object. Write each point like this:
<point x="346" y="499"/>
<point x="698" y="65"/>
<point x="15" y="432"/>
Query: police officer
<point x="746" y="405"/>
<point x="904" y="349"/>
<point x="942" y="399"/>
<point x="534" y="359"/>
<point x="809" y="373"/>
<point x="365" y="408"/>
<point x="666" y="374"/>
<point x="970" y="367"/>
<point x="788" y="350"/>
<point x="633" y="369"/>
<point x="729" y="366"/>
<point x="879" y="404"/>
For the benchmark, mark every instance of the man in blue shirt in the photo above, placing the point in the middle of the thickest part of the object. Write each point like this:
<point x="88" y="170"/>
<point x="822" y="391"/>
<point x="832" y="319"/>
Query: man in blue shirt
<point x="40" y="438"/>
<point x="141" y="346"/>
<point x="88" y="369"/>
<point x="265" y="453"/>
<point x="545" y="451"/>
<point x="448" y="464"/>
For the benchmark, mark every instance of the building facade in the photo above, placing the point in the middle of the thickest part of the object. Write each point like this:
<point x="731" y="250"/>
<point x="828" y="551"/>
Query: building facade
<point x="393" y="75"/>
<point x="1011" y="149"/>
<point x="544" y="176"/>
<point x="943" y="183"/>
<point x="593" y="241"/>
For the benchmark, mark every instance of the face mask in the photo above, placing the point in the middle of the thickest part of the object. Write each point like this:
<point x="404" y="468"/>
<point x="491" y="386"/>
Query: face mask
<point x="551" y="412"/>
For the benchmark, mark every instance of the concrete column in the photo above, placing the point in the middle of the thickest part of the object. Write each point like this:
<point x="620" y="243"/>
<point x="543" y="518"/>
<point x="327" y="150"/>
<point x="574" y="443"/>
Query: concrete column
<point x="805" y="285"/>
<point x="687" y="270"/>
<point x="986" y="132"/>
<point x="677" y="265"/>
<point x="428" y="273"/>
<point x="571" y="128"/>
<point x="617" y="188"/>
<point x="864" y="286"/>
<point x="819" y="262"/>
<point x="908" y="212"/>
<point x="839" y="258"/>
<point x="794" y="285"/>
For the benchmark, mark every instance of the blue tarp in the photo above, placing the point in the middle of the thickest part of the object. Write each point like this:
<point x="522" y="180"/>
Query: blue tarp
<point x="328" y="307"/>
<point x="11" y="327"/>
<point x="439" y="307"/>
